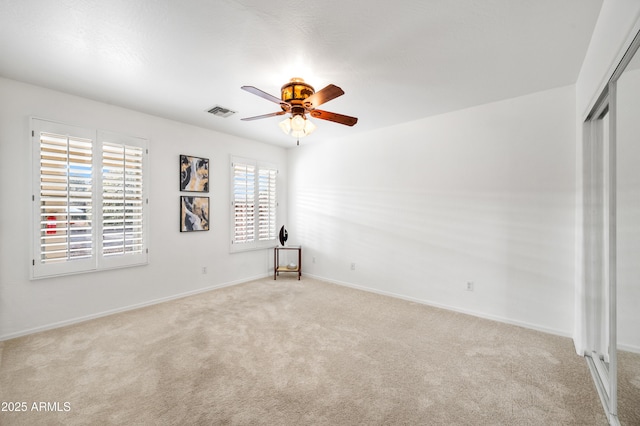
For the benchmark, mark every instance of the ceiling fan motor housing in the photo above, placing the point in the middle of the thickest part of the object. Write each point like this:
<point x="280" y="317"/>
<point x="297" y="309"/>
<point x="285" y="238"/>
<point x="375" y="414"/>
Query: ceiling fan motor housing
<point x="294" y="92"/>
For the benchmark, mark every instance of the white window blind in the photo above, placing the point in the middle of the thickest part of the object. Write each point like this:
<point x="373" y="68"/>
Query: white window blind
<point x="254" y="204"/>
<point x="122" y="199"/>
<point x="65" y="216"/>
<point x="89" y="200"/>
<point x="243" y="203"/>
<point x="266" y="204"/>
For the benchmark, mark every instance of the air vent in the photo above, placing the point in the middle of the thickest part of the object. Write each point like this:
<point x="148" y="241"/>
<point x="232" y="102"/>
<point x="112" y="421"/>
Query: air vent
<point x="219" y="111"/>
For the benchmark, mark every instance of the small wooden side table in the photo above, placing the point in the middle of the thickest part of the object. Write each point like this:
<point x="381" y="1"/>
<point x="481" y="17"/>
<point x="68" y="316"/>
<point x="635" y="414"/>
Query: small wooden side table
<point x="276" y="261"/>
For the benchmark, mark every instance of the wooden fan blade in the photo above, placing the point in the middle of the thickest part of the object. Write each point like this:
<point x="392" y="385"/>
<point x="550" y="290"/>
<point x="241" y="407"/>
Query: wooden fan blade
<point x="258" y="117"/>
<point x="332" y="116"/>
<point x="263" y="95"/>
<point x="325" y="95"/>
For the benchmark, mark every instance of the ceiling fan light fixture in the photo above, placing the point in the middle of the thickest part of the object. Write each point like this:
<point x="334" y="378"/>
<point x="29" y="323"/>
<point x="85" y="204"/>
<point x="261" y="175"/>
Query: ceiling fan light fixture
<point x="297" y="126"/>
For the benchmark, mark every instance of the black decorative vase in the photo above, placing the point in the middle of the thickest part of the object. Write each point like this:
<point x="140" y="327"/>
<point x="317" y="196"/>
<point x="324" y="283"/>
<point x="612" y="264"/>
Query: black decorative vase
<point x="283" y="235"/>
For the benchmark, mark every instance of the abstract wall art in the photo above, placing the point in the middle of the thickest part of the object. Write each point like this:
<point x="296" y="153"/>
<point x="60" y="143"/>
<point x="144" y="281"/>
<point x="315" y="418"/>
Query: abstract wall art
<point x="194" y="174"/>
<point x="194" y="214"/>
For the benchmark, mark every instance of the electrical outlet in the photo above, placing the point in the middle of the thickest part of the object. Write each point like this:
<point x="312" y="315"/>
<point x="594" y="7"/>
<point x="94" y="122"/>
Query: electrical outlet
<point x="353" y="266"/>
<point x="313" y="259"/>
<point x="204" y="269"/>
<point x="469" y="285"/>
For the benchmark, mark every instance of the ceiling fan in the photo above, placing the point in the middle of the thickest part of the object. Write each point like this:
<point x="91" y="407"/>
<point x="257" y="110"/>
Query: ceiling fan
<point x="299" y="99"/>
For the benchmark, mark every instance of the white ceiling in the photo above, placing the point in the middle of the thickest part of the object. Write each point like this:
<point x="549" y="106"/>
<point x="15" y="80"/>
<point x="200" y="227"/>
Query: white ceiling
<point x="396" y="61"/>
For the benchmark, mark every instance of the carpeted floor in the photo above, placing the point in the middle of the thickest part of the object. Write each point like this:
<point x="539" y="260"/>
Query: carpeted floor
<point x="629" y="388"/>
<point x="291" y="352"/>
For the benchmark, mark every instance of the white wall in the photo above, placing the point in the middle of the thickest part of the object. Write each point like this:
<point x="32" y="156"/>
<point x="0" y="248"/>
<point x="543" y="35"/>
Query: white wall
<point x="484" y="194"/>
<point x="617" y="23"/>
<point x="176" y="259"/>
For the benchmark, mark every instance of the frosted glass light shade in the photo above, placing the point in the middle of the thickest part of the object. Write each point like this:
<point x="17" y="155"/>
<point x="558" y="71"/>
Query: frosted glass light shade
<point x="297" y="126"/>
<point x="285" y="125"/>
<point x="297" y="123"/>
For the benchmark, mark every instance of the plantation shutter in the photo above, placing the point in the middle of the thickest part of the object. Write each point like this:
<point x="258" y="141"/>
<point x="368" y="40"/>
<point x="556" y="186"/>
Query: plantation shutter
<point x="243" y="202"/>
<point x="122" y="199"/>
<point x="254" y="204"/>
<point x="266" y="204"/>
<point x="89" y="200"/>
<point x="65" y="198"/>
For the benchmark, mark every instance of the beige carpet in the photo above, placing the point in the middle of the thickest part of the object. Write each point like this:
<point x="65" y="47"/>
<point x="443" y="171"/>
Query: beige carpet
<point x="629" y="388"/>
<point x="291" y="352"/>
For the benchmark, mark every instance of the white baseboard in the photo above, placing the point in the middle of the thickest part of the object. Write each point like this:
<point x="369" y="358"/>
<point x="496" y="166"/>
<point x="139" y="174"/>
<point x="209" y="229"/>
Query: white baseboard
<point x="629" y="348"/>
<point x="447" y="307"/>
<point x="127" y="308"/>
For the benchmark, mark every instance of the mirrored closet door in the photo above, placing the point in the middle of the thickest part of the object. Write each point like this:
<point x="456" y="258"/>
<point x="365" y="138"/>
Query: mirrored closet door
<point x="612" y="241"/>
<point x="628" y="240"/>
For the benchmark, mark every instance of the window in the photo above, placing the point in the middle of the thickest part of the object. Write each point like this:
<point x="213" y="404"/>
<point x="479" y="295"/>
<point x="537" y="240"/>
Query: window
<point x="253" y="204"/>
<point x="122" y="199"/>
<point x="89" y="200"/>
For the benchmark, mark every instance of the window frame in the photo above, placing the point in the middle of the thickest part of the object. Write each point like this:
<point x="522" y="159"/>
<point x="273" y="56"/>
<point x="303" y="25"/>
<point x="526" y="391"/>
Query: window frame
<point x="96" y="261"/>
<point x="256" y="243"/>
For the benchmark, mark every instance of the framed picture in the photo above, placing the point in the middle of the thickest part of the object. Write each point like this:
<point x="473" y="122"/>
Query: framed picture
<point x="194" y="214"/>
<point x="194" y="174"/>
